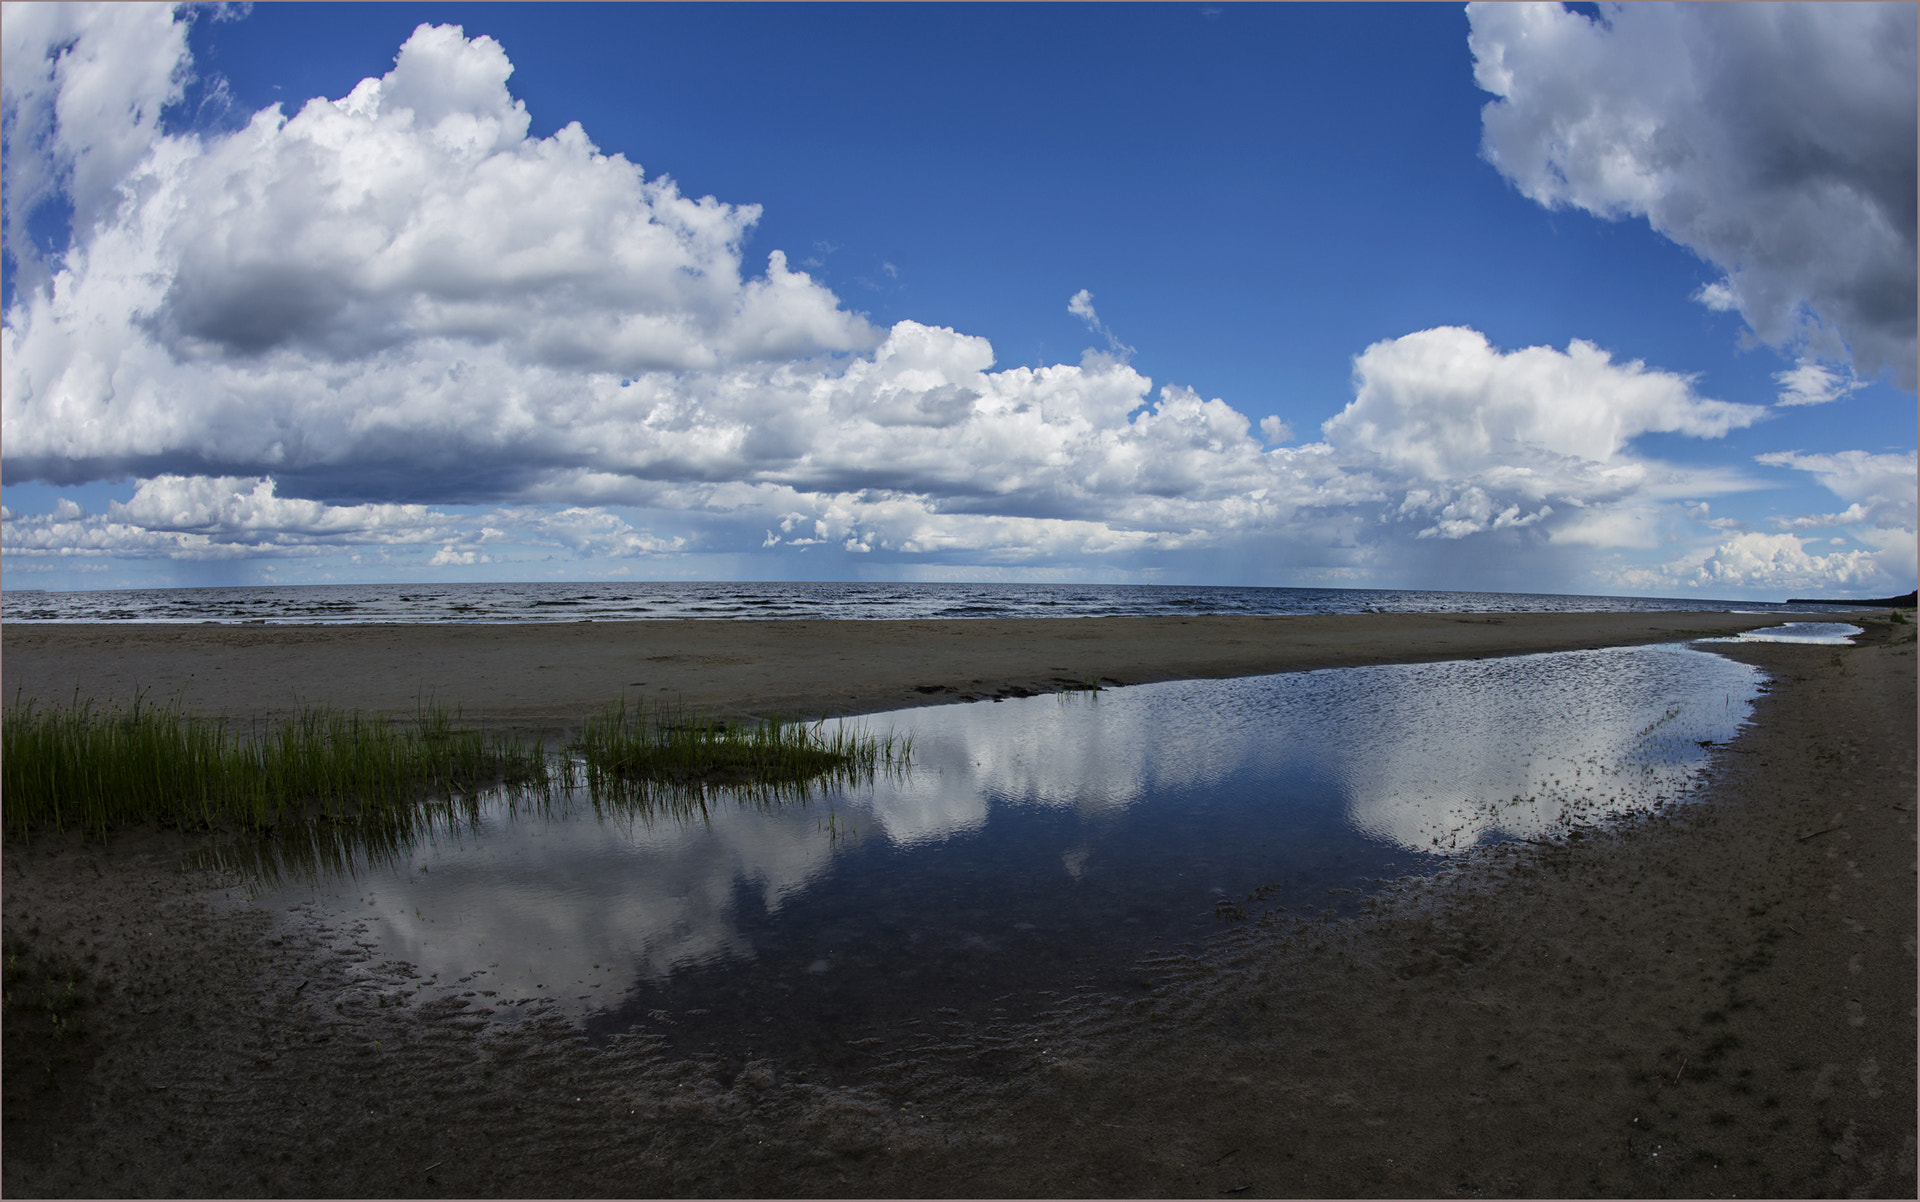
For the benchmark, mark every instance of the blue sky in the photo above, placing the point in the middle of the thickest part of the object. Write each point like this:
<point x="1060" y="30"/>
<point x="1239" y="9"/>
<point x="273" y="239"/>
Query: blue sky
<point x="1390" y="296"/>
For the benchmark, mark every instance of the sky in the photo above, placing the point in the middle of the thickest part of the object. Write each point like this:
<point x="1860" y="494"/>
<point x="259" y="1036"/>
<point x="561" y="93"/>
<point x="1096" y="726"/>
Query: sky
<point x="1583" y="299"/>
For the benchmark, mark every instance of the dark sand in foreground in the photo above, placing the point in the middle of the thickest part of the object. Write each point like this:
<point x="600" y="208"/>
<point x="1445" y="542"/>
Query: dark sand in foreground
<point x="1716" y="1000"/>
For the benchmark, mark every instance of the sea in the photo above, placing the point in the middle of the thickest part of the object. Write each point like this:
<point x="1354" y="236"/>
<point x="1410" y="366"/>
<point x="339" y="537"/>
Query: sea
<point x="624" y="602"/>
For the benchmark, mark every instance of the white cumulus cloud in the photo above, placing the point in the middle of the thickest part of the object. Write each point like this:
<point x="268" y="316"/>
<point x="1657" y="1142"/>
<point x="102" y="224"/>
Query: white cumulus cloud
<point x="1879" y="519"/>
<point x="293" y="295"/>
<point x="1782" y="562"/>
<point x="1488" y="439"/>
<point x="394" y="320"/>
<point x="223" y="517"/>
<point x="1776" y="141"/>
<point x="82" y="86"/>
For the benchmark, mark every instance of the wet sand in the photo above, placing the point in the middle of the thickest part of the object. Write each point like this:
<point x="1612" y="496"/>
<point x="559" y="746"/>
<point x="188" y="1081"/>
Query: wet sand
<point x="1716" y="1000"/>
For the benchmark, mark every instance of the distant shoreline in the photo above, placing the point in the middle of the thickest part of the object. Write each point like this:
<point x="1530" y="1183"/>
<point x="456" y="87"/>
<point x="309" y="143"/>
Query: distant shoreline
<point x="1907" y="602"/>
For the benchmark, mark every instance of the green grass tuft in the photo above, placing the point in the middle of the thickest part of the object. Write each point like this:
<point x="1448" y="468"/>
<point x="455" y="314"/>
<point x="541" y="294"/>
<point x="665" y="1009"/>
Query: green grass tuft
<point x="93" y="769"/>
<point x="325" y="791"/>
<point x="677" y="758"/>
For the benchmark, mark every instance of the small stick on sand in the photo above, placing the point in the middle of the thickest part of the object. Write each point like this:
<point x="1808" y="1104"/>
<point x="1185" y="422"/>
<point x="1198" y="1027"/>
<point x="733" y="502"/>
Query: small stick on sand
<point x="1828" y="831"/>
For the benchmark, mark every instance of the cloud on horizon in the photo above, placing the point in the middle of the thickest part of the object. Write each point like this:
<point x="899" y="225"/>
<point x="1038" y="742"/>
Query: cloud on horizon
<point x="319" y="332"/>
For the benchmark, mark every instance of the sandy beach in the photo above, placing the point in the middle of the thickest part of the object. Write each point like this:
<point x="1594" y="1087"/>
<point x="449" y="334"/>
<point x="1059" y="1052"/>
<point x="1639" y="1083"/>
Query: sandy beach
<point x="1716" y="1000"/>
<point x="545" y="678"/>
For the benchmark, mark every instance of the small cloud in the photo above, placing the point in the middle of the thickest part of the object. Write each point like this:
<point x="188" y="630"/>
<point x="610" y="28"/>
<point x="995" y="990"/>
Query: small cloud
<point x="448" y="557"/>
<point x="1719" y="297"/>
<point x="1811" y="383"/>
<point x="1703" y="513"/>
<point x="1081" y="306"/>
<point x="1851" y="515"/>
<point x="1275" y="430"/>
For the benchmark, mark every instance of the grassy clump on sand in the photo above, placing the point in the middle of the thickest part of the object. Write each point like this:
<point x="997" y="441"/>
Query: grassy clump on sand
<point x="95" y="768"/>
<point x="92" y="769"/>
<point x="637" y="764"/>
<point x="633" y="752"/>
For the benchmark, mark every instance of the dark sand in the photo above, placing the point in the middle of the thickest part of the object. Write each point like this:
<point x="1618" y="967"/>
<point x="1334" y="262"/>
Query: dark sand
<point x="1717" y="1000"/>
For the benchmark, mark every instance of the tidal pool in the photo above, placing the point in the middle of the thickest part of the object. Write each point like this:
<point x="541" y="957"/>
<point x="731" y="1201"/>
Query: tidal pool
<point x="1828" y="634"/>
<point x="1035" y="845"/>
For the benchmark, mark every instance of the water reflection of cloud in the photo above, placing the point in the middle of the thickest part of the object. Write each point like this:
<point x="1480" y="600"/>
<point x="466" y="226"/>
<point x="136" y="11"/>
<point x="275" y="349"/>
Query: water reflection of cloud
<point x="1523" y="746"/>
<point x="578" y="901"/>
<point x="1824" y="634"/>
<point x="1430" y="757"/>
<point x="1427" y="757"/>
<point x="1095" y="756"/>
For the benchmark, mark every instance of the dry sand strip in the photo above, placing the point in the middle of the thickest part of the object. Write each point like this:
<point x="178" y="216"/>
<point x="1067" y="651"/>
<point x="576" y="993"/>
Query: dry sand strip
<point x="1718" y="1000"/>
<point x="547" y="677"/>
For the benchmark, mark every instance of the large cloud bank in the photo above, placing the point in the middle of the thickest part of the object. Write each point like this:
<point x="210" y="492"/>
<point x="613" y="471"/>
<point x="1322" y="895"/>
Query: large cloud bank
<point x="1776" y="141"/>
<point x="395" y="324"/>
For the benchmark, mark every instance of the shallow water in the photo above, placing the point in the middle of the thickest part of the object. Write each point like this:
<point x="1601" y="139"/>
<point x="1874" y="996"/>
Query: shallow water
<point x="1826" y="634"/>
<point x="1035" y="844"/>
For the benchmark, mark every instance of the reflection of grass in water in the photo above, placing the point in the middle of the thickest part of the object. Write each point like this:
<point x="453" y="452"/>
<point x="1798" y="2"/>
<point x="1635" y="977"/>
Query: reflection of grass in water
<point x="344" y="846"/>
<point x="92" y="769"/>
<point x="1071" y="691"/>
<point x="673" y="762"/>
<point x="637" y="764"/>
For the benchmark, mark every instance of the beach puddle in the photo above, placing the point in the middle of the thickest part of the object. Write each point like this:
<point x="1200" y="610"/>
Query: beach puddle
<point x="1034" y="846"/>
<point x="1825" y="634"/>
